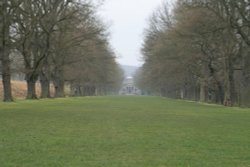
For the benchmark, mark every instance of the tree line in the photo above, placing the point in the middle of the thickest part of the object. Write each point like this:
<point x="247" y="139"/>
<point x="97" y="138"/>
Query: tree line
<point x="56" y="42"/>
<point x="198" y="50"/>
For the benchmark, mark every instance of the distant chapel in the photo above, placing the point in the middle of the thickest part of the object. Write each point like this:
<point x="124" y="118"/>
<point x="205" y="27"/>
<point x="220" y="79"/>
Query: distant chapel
<point x="129" y="87"/>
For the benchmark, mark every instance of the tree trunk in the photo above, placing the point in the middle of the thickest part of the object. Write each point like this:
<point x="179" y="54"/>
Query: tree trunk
<point x="77" y="90"/>
<point x="93" y="88"/>
<point x="44" y="79"/>
<point x="59" y="88"/>
<point x="4" y="53"/>
<point x="59" y="83"/>
<point x="31" y="86"/>
<point x="229" y="83"/>
<point x="6" y="79"/>
<point x="182" y="93"/>
<point x="219" y="93"/>
<point x="45" y="86"/>
<point x="202" y="91"/>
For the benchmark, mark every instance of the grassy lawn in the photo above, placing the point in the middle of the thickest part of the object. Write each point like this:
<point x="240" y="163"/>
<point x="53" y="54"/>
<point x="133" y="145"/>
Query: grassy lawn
<point x="123" y="132"/>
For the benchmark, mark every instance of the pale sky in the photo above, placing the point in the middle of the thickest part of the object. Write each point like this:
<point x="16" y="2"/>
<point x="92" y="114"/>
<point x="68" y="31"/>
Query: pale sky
<point x="128" y="20"/>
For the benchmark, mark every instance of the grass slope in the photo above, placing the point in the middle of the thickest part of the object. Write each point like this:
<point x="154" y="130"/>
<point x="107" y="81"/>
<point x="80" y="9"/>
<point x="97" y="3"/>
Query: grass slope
<point x="123" y="132"/>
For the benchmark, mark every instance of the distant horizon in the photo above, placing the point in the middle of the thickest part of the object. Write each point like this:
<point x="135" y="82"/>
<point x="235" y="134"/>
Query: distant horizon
<point x="138" y="66"/>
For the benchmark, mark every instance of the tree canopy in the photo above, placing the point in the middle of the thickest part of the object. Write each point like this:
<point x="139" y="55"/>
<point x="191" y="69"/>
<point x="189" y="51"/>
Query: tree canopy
<point x="199" y="50"/>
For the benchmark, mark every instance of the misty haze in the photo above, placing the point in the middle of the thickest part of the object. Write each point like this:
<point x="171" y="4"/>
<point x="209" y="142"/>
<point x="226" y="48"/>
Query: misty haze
<point x="124" y="83"/>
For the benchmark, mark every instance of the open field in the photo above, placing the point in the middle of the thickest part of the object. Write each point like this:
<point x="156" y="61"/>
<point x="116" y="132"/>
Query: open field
<point x="123" y="132"/>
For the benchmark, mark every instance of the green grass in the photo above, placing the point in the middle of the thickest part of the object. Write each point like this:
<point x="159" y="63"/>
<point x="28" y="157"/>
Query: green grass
<point x="123" y="132"/>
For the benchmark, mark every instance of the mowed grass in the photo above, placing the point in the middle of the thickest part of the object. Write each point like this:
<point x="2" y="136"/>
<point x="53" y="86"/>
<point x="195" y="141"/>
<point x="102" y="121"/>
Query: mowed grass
<point x="123" y="132"/>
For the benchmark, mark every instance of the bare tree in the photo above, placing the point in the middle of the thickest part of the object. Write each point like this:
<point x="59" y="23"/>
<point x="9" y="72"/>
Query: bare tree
<point x="5" y="46"/>
<point x="198" y="50"/>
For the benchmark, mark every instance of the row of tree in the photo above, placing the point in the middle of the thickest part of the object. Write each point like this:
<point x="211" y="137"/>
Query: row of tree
<point x="56" y="41"/>
<point x="199" y="50"/>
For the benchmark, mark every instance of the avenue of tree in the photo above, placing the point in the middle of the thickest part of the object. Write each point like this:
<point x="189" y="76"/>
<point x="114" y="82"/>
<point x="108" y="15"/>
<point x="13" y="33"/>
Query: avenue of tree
<point x="56" y="42"/>
<point x="199" y="51"/>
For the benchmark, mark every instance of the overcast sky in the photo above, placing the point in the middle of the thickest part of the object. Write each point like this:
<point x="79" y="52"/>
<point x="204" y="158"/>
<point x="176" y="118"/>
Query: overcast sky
<point x="128" y="19"/>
